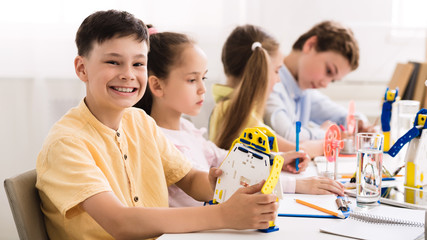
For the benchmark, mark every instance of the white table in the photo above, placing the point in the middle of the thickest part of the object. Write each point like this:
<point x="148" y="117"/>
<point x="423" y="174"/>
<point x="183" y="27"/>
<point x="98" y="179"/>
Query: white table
<point x="290" y="227"/>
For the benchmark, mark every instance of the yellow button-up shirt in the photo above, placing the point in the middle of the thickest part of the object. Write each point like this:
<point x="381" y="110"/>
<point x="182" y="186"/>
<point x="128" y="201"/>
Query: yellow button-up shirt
<point x="82" y="157"/>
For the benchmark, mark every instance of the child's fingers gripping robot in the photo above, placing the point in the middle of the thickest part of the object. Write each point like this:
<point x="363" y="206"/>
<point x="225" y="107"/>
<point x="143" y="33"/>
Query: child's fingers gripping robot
<point x="252" y="158"/>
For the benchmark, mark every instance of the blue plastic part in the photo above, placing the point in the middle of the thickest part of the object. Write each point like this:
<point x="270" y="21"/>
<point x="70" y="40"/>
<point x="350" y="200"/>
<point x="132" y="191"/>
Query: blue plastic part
<point x="210" y="203"/>
<point x="270" y="142"/>
<point x="259" y="147"/>
<point x="411" y="134"/>
<point x="386" y="116"/>
<point x="386" y="111"/>
<point x="245" y="141"/>
<point x="269" y="230"/>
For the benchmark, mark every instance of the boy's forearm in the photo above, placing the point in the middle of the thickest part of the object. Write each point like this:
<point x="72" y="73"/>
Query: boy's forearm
<point x="139" y="222"/>
<point x="177" y="220"/>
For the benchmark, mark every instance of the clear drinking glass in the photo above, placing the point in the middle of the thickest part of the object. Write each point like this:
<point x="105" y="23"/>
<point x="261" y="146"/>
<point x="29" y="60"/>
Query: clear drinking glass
<point x="369" y="168"/>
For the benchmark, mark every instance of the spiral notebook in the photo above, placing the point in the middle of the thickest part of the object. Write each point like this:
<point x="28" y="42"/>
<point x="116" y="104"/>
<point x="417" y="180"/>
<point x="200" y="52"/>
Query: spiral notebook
<point x="382" y="222"/>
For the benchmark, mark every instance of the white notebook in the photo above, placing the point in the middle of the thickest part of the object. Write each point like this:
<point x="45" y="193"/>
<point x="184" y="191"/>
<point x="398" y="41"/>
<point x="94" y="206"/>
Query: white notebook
<point x="382" y="222"/>
<point x="288" y="207"/>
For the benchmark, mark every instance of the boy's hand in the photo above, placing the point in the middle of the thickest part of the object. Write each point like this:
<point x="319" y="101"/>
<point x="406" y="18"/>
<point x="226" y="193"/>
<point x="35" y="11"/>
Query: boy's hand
<point x="289" y="161"/>
<point x="365" y="127"/>
<point x="313" y="148"/>
<point x="214" y="173"/>
<point x="319" y="185"/>
<point x="325" y="125"/>
<point x="249" y="209"/>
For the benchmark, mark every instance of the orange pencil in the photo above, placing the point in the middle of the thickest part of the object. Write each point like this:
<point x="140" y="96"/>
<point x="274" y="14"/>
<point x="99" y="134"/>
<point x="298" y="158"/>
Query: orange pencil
<point x="336" y="214"/>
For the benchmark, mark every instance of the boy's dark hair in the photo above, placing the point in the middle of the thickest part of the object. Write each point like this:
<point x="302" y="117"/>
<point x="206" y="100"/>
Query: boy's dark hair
<point x="165" y="52"/>
<point x="104" y="25"/>
<point x="332" y="36"/>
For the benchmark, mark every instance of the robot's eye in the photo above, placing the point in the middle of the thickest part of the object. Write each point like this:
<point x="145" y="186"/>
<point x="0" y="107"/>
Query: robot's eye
<point x="260" y="140"/>
<point x="250" y="135"/>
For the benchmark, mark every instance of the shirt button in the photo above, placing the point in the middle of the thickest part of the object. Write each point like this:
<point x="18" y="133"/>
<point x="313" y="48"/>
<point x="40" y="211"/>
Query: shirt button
<point x="118" y="134"/>
<point x="136" y="198"/>
<point x="125" y="156"/>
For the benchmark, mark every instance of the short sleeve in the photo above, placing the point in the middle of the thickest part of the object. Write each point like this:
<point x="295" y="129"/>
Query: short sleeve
<point x="69" y="179"/>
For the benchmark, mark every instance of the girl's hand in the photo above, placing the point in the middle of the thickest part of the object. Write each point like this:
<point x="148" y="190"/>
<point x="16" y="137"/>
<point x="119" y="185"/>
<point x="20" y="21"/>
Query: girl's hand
<point x="319" y="185"/>
<point x="214" y="173"/>
<point x="289" y="161"/>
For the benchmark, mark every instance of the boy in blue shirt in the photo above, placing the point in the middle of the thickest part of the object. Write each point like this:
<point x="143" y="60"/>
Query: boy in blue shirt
<point x="324" y="54"/>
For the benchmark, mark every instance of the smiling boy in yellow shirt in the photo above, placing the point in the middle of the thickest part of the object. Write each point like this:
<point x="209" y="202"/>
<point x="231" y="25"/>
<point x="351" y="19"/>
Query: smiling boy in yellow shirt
<point x="104" y="168"/>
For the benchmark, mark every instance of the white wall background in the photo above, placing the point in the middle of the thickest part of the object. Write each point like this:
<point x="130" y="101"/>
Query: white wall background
<point x="38" y="84"/>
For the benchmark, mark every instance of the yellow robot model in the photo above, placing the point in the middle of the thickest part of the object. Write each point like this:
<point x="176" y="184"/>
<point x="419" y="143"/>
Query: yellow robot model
<point x="251" y="159"/>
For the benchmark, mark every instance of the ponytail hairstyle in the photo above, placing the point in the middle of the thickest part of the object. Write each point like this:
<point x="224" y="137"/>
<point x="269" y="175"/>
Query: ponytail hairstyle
<point x="332" y="36"/>
<point x="165" y="52"/>
<point x="246" y="63"/>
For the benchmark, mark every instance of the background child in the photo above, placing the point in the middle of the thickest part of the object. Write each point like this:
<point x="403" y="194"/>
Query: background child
<point x="104" y="168"/>
<point x="176" y="73"/>
<point x="324" y="54"/>
<point x="251" y="60"/>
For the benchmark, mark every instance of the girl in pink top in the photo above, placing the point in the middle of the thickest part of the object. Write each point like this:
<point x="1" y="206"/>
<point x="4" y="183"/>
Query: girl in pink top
<point x="177" y="69"/>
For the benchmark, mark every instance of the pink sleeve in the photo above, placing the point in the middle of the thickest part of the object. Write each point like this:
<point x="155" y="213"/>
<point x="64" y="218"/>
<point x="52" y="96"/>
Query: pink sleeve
<point x="214" y="154"/>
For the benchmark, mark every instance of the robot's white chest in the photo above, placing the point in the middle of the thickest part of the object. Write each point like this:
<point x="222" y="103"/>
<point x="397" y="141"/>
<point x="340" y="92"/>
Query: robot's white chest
<point x="241" y="168"/>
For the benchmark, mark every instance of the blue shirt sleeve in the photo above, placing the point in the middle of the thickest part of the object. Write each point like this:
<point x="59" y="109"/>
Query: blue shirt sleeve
<point x="323" y="109"/>
<point x="280" y="115"/>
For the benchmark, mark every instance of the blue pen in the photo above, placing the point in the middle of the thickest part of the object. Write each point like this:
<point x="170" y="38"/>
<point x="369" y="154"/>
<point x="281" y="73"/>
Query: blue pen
<point x="298" y="130"/>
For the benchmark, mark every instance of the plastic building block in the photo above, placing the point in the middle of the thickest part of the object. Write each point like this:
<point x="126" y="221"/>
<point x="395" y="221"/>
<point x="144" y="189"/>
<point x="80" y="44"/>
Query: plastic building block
<point x="415" y="131"/>
<point x="252" y="158"/>
<point x="332" y="146"/>
<point x="333" y="143"/>
<point x="389" y="98"/>
<point x="351" y="120"/>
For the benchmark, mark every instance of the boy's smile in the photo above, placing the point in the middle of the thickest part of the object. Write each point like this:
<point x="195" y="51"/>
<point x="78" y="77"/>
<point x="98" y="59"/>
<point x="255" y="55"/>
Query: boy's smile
<point x="115" y="73"/>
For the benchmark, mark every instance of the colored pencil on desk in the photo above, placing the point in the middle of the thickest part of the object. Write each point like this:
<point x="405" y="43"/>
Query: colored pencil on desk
<point x="298" y="130"/>
<point x="350" y="176"/>
<point x="336" y="214"/>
